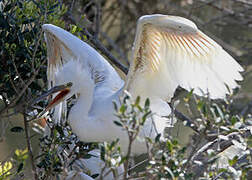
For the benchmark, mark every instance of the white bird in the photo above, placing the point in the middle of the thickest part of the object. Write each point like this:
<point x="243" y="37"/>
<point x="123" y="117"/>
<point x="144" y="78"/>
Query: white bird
<point x="92" y="165"/>
<point x="168" y="52"/>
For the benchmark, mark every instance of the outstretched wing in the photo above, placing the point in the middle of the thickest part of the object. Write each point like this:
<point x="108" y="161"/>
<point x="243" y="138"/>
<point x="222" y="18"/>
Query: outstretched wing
<point x="62" y="47"/>
<point x="170" y="51"/>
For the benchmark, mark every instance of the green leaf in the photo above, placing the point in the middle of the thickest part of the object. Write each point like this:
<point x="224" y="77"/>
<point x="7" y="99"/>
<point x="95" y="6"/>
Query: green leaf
<point x="233" y="161"/>
<point x="137" y="100"/>
<point x="59" y="129"/>
<point x="87" y="156"/>
<point x="233" y="120"/>
<point x="157" y="139"/>
<point x="113" y="144"/>
<point x="118" y="123"/>
<point x="54" y="6"/>
<point x="17" y="129"/>
<point x="218" y="111"/>
<point x="123" y="108"/>
<point x="145" y="116"/>
<point x="174" y="142"/>
<point x="115" y="106"/>
<point x="20" y="167"/>
<point x="123" y="159"/>
<point x="139" y="108"/>
<point x="8" y="7"/>
<point x="147" y="103"/>
<point x="74" y="29"/>
<point x="188" y="96"/>
<point x="200" y="105"/>
<point x="95" y="175"/>
<point x="222" y="170"/>
<point x="169" y="146"/>
<point x="126" y="97"/>
<point x="148" y="140"/>
<point x="103" y="153"/>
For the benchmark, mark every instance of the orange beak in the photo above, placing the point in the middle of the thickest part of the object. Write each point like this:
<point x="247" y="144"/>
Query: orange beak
<point x="63" y="91"/>
<point x="60" y="96"/>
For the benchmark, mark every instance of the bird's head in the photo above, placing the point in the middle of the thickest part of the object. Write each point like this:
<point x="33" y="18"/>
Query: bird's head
<point x="75" y="72"/>
<point x="62" y="90"/>
<point x="71" y="79"/>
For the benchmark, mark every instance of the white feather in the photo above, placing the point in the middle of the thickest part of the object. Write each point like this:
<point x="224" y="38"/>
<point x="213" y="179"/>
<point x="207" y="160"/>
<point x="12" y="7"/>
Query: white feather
<point x="168" y="52"/>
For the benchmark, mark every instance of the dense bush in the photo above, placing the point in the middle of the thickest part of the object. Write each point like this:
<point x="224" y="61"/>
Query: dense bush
<point x="219" y="128"/>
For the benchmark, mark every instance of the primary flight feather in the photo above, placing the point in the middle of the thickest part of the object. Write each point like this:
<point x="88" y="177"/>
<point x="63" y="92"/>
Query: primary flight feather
<point x="168" y="52"/>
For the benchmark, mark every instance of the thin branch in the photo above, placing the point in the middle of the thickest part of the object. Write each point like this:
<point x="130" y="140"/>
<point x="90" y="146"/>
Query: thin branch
<point x="99" y="46"/>
<point x="223" y="144"/>
<point x="72" y="5"/>
<point x="204" y="3"/>
<point x="13" y="85"/>
<point x="227" y="14"/>
<point x="237" y="162"/>
<point x="109" y="18"/>
<point x="222" y="9"/>
<point x="135" y="166"/>
<point x="246" y="2"/>
<point x="36" y="48"/>
<point x="28" y="142"/>
<point x="18" y="74"/>
<point x="21" y="93"/>
<point x="114" y="46"/>
<point x="87" y="5"/>
<point x="126" y="164"/>
<point x="97" y="18"/>
<point x="190" y="123"/>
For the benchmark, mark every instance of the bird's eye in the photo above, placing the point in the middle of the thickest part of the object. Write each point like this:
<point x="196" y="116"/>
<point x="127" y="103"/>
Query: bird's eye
<point x="69" y="84"/>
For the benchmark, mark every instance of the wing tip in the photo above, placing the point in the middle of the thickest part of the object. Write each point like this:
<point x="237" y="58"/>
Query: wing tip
<point x="47" y="26"/>
<point x="55" y="30"/>
<point x="168" y="20"/>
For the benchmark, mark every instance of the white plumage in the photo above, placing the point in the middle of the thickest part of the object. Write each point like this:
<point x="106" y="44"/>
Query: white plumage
<point x="93" y="165"/>
<point x="168" y="52"/>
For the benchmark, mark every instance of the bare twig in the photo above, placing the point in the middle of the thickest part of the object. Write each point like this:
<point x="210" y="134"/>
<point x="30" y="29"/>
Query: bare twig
<point x="222" y="144"/>
<point x="72" y="5"/>
<point x="126" y="164"/>
<point x="114" y="46"/>
<point x="13" y="85"/>
<point x="36" y="48"/>
<point x="100" y="46"/>
<point x="21" y="93"/>
<point x="237" y="162"/>
<point x="247" y="2"/>
<point x="28" y="141"/>
<point x="135" y="166"/>
<point x="16" y="69"/>
<point x="227" y="14"/>
<point x="190" y="123"/>
<point x="97" y="19"/>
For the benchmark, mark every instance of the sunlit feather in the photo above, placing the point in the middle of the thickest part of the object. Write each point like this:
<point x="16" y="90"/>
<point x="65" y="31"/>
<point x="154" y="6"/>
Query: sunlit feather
<point x="168" y="52"/>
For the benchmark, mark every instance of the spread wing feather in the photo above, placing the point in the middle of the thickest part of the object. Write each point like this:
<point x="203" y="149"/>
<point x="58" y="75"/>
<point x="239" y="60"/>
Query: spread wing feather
<point x="63" y="47"/>
<point x="170" y="51"/>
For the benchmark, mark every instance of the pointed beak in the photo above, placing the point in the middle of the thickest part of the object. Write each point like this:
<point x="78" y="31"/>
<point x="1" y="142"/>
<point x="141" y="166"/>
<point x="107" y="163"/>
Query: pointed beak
<point x="62" y="91"/>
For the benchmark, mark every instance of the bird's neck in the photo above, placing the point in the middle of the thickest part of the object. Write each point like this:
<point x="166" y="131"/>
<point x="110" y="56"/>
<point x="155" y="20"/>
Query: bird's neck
<point x="84" y="102"/>
<point x="79" y="112"/>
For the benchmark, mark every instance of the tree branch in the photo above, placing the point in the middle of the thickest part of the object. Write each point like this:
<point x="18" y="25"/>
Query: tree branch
<point x="28" y="142"/>
<point x="99" y="46"/>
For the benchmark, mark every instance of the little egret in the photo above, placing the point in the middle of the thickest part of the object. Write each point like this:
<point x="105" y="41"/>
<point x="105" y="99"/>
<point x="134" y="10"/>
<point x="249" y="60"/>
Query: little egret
<point x="168" y="52"/>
